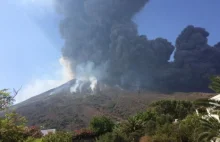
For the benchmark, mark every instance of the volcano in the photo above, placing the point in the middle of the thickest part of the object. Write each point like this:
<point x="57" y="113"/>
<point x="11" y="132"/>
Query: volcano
<point x="64" y="109"/>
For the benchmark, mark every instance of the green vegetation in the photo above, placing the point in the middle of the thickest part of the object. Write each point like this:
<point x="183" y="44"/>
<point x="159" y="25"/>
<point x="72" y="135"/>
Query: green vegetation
<point x="31" y="139"/>
<point x="13" y="126"/>
<point x="101" y="125"/>
<point x="157" y="124"/>
<point x="58" y="137"/>
<point x="187" y="128"/>
<point x="209" y="130"/>
<point x="215" y="84"/>
<point x="5" y="99"/>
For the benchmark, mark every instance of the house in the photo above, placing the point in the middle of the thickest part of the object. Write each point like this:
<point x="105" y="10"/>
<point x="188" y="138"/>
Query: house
<point x="45" y="132"/>
<point x="216" y="98"/>
<point x="211" y="112"/>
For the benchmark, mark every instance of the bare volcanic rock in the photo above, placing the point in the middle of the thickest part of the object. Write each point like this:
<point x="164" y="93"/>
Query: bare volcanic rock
<point x="63" y="110"/>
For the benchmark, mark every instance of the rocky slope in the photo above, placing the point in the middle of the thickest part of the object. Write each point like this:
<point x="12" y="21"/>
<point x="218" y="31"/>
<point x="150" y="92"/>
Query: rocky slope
<point x="60" y="109"/>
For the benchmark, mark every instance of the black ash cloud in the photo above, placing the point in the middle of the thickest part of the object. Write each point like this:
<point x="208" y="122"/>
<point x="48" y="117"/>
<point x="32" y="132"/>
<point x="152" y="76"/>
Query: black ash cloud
<point x="102" y="41"/>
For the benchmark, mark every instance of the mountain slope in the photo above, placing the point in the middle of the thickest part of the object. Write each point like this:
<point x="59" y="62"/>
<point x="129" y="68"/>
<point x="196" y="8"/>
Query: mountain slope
<point x="65" y="110"/>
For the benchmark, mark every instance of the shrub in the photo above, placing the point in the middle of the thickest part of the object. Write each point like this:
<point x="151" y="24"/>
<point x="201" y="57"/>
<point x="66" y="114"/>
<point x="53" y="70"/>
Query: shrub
<point x="33" y="131"/>
<point x="202" y="110"/>
<point x="31" y="139"/>
<point x="110" y="137"/>
<point x="83" y="133"/>
<point x="188" y="126"/>
<point x="58" y="137"/>
<point x="174" y="108"/>
<point x="150" y="127"/>
<point x="132" y="129"/>
<point x="146" y="116"/>
<point x="164" y="138"/>
<point x="101" y="125"/>
<point x="166" y="133"/>
<point x="12" y="128"/>
<point x="5" y="99"/>
<point x="215" y="83"/>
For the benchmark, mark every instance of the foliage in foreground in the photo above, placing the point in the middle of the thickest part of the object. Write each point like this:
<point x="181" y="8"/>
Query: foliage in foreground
<point x="157" y="124"/>
<point x="215" y="83"/>
<point x="209" y="130"/>
<point x="31" y="139"/>
<point x="12" y="125"/>
<point x="12" y="128"/>
<point x="5" y="99"/>
<point x="58" y="137"/>
<point x="101" y="125"/>
<point x="33" y="132"/>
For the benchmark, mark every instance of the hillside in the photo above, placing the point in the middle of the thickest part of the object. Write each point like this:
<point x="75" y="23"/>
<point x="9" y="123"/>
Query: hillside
<point x="63" y="110"/>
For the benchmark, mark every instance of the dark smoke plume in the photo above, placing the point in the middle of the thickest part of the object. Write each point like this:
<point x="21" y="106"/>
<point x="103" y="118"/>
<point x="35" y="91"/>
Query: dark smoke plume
<point x="102" y="41"/>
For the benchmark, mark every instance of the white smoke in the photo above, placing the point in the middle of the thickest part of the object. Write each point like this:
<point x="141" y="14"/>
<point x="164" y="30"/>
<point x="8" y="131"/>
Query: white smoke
<point x="85" y="72"/>
<point x="40" y="85"/>
<point x="93" y="84"/>
<point x="78" y="86"/>
<point x="74" y="88"/>
<point x="66" y="69"/>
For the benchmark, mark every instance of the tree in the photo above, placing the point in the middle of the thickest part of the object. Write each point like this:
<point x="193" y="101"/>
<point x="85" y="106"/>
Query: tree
<point x="215" y="83"/>
<point x="209" y="130"/>
<point x="101" y="125"/>
<point x="187" y="128"/>
<point x="166" y="133"/>
<point x="12" y="125"/>
<point x="110" y="137"/>
<point x="33" y="132"/>
<point x="201" y="105"/>
<point x="12" y="128"/>
<point x="5" y="99"/>
<point x="58" y="137"/>
<point x="146" y="116"/>
<point x="174" y="108"/>
<point x="133" y="129"/>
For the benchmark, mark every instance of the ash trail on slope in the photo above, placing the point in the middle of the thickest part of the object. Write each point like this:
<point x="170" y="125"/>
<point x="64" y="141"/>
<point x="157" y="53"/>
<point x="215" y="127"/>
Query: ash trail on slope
<point x="102" y="42"/>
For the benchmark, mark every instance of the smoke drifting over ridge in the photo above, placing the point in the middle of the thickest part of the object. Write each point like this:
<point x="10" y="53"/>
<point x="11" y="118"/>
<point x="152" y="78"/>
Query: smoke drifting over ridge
<point x="102" y="42"/>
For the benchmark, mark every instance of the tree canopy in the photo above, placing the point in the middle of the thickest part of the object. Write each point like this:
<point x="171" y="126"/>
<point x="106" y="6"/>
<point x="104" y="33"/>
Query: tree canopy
<point x="5" y="99"/>
<point x="215" y="83"/>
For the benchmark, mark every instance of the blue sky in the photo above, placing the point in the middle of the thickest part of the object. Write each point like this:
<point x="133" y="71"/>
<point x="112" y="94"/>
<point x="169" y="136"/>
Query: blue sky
<point x="30" y="42"/>
<point x="166" y="18"/>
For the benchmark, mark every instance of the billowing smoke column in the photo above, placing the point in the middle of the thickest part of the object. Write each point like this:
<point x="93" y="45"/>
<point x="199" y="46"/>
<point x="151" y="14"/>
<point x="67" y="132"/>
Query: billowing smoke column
<point x="102" y="43"/>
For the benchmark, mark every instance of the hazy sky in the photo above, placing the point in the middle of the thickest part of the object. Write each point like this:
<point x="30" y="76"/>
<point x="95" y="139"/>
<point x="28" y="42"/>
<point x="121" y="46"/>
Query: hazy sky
<point x="30" y="42"/>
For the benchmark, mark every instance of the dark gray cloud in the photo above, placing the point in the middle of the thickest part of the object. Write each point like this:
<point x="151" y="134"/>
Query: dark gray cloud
<point x="100" y="34"/>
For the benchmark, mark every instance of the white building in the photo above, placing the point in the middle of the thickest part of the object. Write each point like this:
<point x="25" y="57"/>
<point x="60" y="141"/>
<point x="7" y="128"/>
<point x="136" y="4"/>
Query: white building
<point x="45" y="132"/>
<point x="217" y="97"/>
<point x="211" y="112"/>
